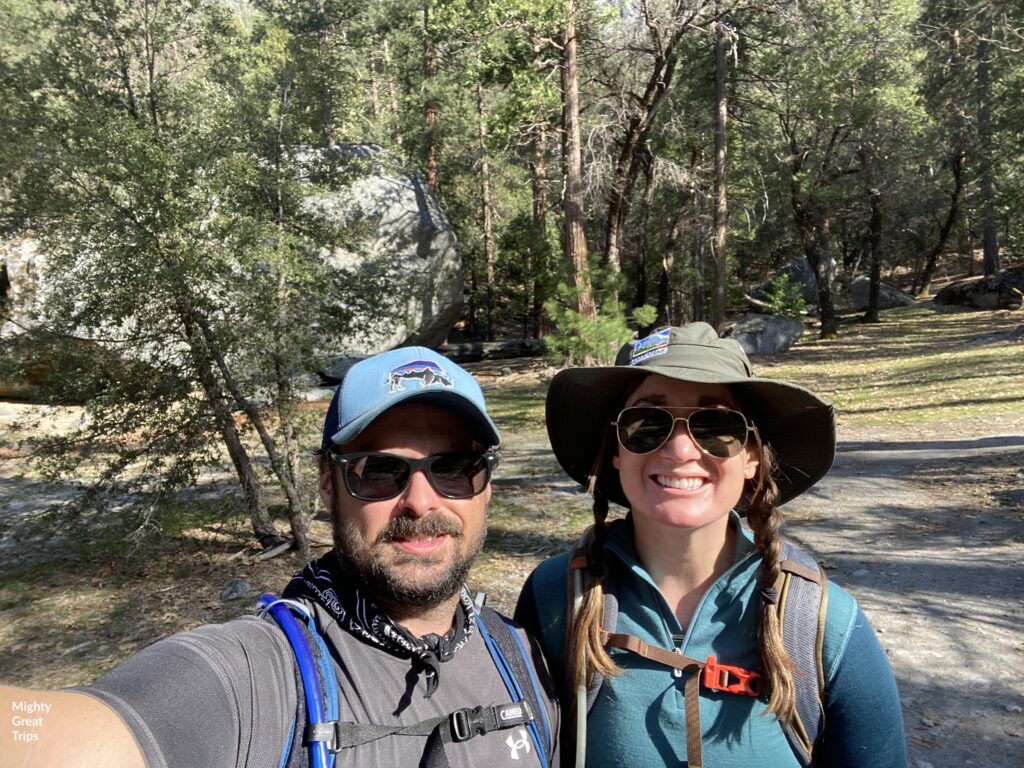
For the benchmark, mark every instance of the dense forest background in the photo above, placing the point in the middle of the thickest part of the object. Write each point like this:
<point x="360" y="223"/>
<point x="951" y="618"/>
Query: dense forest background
<point x="605" y="165"/>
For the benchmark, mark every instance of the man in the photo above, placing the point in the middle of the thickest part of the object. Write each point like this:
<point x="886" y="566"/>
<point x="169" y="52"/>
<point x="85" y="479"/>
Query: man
<point x="405" y="468"/>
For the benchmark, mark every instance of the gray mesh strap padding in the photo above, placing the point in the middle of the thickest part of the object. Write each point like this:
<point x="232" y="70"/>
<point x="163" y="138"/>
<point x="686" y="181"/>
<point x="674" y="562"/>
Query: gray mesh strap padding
<point x="802" y="605"/>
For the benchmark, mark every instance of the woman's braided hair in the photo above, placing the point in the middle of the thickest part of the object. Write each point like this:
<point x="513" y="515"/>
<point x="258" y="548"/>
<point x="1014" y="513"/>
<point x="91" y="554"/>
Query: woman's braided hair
<point x="765" y="520"/>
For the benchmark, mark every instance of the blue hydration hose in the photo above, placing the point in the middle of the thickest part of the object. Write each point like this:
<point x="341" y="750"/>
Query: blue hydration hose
<point x="319" y="755"/>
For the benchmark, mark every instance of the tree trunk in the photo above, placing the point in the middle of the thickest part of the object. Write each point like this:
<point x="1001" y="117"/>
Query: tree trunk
<point x="325" y="95"/>
<point x="812" y="223"/>
<point x="262" y="526"/>
<point x="874" y="255"/>
<point x="392" y="91"/>
<point x="989" y="235"/>
<point x="538" y="256"/>
<point x="721" y="215"/>
<point x="956" y="161"/>
<point x="634" y="139"/>
<point x="289" y="476"/>
<point x="486" y="212"/>
<point x="281" y="468"/>
<point x="575" y="235"/>
<point x="429" y="108"/>
<point x="642" y="248"/>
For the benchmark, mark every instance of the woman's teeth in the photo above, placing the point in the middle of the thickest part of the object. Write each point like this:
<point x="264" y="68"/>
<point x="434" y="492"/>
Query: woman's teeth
<point x="680" y="483"/>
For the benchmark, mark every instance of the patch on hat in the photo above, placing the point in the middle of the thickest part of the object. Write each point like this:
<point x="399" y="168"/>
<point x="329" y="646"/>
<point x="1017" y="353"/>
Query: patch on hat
<point x="650" y="346"/>
<point x="425" y="372"/>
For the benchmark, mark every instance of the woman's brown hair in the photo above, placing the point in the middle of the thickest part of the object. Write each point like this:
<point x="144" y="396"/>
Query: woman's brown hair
<point x="584" y="649"/>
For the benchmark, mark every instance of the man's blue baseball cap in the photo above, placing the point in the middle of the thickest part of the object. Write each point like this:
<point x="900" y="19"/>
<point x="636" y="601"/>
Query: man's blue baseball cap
<point x="407" y="374"/>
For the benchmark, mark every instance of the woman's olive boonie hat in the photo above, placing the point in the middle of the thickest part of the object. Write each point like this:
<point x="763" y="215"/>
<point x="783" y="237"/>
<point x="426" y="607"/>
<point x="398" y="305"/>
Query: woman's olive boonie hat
<point x="582" y="403"/>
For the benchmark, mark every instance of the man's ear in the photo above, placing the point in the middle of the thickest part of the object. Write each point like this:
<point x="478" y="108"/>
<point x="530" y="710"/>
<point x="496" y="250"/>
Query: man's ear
<point x="325" y="486"/>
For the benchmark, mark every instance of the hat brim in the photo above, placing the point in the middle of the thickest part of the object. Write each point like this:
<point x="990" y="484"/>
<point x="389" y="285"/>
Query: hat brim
<point x="480" y="426"/>
<point x="582" y="403"/>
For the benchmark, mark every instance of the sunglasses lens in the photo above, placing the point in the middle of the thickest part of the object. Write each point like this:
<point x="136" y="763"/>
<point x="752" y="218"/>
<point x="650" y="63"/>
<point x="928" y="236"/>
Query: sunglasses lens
<point x="642" y="430"/>
<point x="718" y="432"/>
<point x="459" y="475"/>
<point x="377" y="477"/>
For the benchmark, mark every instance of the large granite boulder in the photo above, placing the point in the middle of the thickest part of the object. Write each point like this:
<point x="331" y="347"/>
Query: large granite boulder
<point x="800" y="273"/>
<point x="766" y="334"/>
<point x="401" y="234"/>
<point x="387" y="231"/>
<point x="1004" y="290"/>
<point x="20" y="285"/>
<point x="889" y="296"/>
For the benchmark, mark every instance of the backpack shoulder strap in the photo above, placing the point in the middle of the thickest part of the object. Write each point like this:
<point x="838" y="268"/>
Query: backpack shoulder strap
<point x="319" y="686"/>
<point x="803" y="603"/>
<point x="520" y="675"/>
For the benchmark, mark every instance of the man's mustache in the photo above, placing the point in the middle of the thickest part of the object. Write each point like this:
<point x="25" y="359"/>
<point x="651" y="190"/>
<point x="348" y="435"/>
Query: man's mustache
<point x="407" y="527"/>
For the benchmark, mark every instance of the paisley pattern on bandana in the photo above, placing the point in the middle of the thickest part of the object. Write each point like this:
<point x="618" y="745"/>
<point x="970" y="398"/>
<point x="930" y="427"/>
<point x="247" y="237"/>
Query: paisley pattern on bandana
<point x="326" y="582"/>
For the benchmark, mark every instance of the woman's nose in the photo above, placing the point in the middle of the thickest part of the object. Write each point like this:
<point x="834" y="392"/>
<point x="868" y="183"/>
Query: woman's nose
<point x="680" y="446"/>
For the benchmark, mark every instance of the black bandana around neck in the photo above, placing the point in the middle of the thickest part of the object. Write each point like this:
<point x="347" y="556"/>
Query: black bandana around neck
<point x="325" y="582"/>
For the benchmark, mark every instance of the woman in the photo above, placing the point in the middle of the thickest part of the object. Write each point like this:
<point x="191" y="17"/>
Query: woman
<point x="683" y="434"/>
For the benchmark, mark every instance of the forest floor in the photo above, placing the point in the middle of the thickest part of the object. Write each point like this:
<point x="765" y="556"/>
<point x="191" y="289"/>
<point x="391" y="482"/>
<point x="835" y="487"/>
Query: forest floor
<point x="922" y="519"/>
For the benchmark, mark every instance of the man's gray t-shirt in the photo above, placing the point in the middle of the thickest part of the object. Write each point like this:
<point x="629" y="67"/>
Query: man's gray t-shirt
<point x="225" y="695"/>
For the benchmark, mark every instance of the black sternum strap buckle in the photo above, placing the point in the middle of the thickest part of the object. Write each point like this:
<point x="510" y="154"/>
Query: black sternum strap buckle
<point x="467" y="723"/>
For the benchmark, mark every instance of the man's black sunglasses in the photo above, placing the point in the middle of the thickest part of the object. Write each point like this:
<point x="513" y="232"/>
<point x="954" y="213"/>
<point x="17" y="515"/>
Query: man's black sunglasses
<point x="717" y="432"/>
<point x="374" y="476"/>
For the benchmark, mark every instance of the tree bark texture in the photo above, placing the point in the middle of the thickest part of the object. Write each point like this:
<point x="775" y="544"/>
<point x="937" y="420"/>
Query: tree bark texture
<point x="721" y="216"/>
<point x="989" y="233"/>
<point x="538" y="257"/>
<point x="874" y="255"/>
<point x="262" y="526"/>
<point x="486" y="212"/>
<point x="634" y="137"/>
<point x="575" y="234"/>
<point x="956" y="164"/>
<point x="429" y="107"/>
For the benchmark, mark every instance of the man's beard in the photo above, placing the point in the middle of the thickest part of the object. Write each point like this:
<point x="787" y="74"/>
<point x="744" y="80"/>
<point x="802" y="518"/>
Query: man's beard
<point x="381" y="578"/>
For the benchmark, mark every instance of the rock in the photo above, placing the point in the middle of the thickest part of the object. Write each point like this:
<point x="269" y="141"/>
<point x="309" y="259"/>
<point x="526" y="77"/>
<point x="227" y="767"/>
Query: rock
<point x="402" y="237"/>
<point x="1013" y="709"/>
<point x="800" y="273"/>
<point x="391" y="232"/>
<point x="889" y="296"/>
<point x="861" y="572"/>
<point x="766" y="334"/>
<point x="236" y="589"/>
<point x="1004" y="290"/>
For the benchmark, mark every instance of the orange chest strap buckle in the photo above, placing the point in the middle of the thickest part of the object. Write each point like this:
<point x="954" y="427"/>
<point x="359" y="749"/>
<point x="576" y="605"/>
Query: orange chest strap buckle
<point x="722" y="677"/>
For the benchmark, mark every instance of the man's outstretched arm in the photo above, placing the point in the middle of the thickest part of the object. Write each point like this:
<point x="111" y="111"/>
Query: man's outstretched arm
<point x="58" y="728"/>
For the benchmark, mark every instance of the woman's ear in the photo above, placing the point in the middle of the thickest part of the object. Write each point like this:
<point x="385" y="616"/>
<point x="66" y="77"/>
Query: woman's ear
<point x="751" y="463"/>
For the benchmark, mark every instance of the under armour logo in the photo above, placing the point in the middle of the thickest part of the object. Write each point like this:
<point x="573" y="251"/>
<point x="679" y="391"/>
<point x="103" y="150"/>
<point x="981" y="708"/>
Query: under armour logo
<point x="522" y="743"/>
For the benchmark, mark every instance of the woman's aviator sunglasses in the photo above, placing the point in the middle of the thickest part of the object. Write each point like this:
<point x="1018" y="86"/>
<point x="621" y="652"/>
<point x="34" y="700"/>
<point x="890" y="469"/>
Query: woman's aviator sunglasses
<point x="717" y="432"/>
<point x="374" y="476"/>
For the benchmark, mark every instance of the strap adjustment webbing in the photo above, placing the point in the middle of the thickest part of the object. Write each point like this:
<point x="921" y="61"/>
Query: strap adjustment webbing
<point x="717" y="677"/>
<point x="460" y="725"/>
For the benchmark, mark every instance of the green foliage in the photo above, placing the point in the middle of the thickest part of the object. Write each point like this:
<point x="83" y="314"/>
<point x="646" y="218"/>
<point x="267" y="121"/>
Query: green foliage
<point x="577" y="341"/>
<point x="784" y="297"/>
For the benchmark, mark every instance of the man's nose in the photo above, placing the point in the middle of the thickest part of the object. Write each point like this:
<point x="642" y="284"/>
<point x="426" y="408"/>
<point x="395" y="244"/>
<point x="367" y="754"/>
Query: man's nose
<point x="419" y="497"/>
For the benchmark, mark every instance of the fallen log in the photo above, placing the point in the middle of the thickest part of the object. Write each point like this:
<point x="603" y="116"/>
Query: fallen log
<point x="473" y="351"/>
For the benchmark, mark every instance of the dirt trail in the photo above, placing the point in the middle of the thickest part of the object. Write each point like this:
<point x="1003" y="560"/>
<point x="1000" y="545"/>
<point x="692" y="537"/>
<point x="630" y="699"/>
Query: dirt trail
<point x="935" y="561"/>
<point x="924" y="526"/>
